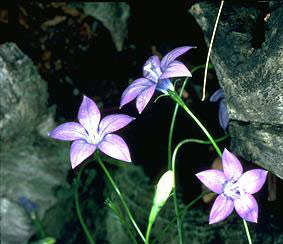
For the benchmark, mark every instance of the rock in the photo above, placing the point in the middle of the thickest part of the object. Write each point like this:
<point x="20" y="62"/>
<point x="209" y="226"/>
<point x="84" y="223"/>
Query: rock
<point x="248" y="58"/>
<point x="32" y="165"/>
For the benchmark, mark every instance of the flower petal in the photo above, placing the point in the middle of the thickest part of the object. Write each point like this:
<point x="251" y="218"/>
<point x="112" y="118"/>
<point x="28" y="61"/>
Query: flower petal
<point x="175" y="69"/>
<point x="246" y="206"/>
<point x="151" y="68"/>
<point x="218" y="94"/>
<point x="164" y="85"/>
<point x="69" y="131"/>
<point x="115" y="147"/>
<point x="113" y="122"/>
<point x="214" y="179"/>
<point x="89" y="115"/>
<point x="231" y="165"/>
<point x="171" y="56"/>
<point x="144" y="97"/>
<point x="80" y="150"/>
<point x="252" y="180"/>
<point x="221" y="209"/>
<point x="223" y="115"/>
<point x="134" y="89"/>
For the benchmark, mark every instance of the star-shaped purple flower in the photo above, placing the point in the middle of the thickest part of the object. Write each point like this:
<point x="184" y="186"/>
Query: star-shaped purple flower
<point x="234" y="189"/>
<point x="91" y="133"/>
<point x="156" y="77"/>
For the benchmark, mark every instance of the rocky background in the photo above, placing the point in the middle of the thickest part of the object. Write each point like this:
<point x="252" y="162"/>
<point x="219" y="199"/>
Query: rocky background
<point x="53" y="53"/>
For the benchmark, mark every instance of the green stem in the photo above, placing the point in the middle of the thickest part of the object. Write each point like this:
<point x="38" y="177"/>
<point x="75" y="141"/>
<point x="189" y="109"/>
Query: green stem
<point x="181" y="213"/>
<point x="247" y="232"/>
<point x="120" y="196"/>
<point x="77" y="204"/>
<point x="177" y="99"/>
<point x="174" y="116"/>
<point x="37" y="223"/>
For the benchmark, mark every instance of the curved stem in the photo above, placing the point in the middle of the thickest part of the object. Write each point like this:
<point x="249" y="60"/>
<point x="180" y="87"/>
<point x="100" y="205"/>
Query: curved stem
<point x="177" y="99"/>
<point x="247" y="232"/>
<point x="120" y="196"/>
<point x="210" y="48"/>
<point x="78" y="210"/>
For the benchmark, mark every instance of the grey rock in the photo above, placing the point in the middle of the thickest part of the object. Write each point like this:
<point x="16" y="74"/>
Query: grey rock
<point x="250" y="70"/>
<point x="31" y="164"/>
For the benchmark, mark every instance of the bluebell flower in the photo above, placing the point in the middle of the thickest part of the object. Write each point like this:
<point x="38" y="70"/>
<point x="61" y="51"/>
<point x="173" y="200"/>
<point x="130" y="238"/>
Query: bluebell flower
<point x="223" y="116"/>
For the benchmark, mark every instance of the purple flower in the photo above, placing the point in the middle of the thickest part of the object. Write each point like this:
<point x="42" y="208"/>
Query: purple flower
<point x="156" y="77"/>
<point x="91" y="133"/>
<point x="29" y="205"/>
<point x="223" y="115"/>
<point x="234" y="189"/>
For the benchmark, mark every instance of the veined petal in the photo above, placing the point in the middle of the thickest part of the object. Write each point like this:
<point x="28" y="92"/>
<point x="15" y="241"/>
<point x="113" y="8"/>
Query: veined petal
<point x="144" y="97"/>
<point x="69" y="131"/>
<point x="175" y="69"/>
<point x="113" y="122"/>
<point x="80" y="150"/>
<point x="231" y="165"/>
<point x="246" y="206"/>
<point x="115" y="147"/>
<point x="89" y="115"/>
<point x="218" y="94"/>
<point x="221" y="209"/>
<point x="134" y="89"/>
<point x="151" y="68"/>
<point x="171" y="56"/>
<point x="214" y="179"/>
<point x="252" y="180"/>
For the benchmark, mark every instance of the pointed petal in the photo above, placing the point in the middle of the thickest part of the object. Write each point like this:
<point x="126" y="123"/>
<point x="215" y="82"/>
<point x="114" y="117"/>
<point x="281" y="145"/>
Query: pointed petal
<point x="144" y="97"/>
<point x="214" y="179"/>
<point x="171" y="56"/>
<point x="69" y="131"/>
<point x="221" y="209"/>
<point x="246" y="206"/>
<point x="223" y="115"/>
<point x="231" y="165"/>
<point x="252" y="180"/>
<point x="89" y="115"/>
<point x="175" y="69"/>
<point x="113" y="122"/>
<point x="134" y="89"/>
<point x="115" y="147"/>
<point x="80" y="150"/>
<point x="151" y="69"/>
<point x="218" y="94"/>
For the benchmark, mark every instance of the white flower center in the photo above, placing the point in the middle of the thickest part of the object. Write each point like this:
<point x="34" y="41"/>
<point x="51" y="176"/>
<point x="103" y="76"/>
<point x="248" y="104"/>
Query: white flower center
<point x="150" y="68"/>
<point x="93" y="138"/>
<point x="232" y="190"/>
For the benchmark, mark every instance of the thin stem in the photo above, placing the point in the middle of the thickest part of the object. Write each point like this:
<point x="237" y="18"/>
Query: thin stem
<point x="210" y="48"/>
<point x="247" y="232"/>
<point x="78" y="210"/>
<point x="174" y="117"/>
<point x="177" y="99"/>
<point x="181" y="213"/>
<point x="120" y="196"/>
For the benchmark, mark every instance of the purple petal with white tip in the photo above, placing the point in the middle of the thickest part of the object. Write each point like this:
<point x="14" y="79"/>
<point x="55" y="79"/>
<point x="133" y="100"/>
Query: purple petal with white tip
<point x="175" y="69"/>
<point x="221" y="209"/>
<point x="214" y="179"/>
<point x="252" y="180"/>
<point x="69" y="131"/>
<point x="89" y="115"/>
<point x="144" y="97"/>
<point x="80" y="150"/>
<point x="246" y="206"/>
<point x="115" y="147"/>
<point x="231" y="165"/>
<point x="134" y="89"/>
<point x="113" y="122"/>
<point x="171" y="56"/>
